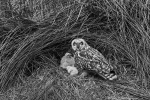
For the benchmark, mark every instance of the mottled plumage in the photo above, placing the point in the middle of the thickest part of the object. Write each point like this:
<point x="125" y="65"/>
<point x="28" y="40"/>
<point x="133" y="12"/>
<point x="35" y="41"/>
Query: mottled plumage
<point x="89" y="58"/>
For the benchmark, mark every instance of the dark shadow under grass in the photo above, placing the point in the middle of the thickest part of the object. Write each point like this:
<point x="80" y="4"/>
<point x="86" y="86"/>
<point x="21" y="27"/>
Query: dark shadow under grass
<point x="33" y="42"/>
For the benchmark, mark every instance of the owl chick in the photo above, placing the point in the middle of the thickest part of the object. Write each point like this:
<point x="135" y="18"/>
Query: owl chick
<point x="67" y="62"/>
<point x="89" y="58"/>
<point x="72" y="70"/>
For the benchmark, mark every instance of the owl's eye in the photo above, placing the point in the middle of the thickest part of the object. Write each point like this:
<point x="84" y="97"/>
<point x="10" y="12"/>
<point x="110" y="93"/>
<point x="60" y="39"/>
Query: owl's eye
<point x="81" y="43"/>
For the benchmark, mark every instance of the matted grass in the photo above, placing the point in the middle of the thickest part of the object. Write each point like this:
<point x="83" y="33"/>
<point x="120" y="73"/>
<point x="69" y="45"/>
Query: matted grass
<point x="35" y="34"/>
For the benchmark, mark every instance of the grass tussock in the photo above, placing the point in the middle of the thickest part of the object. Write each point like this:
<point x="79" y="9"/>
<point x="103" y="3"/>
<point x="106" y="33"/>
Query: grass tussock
<point x="35" y="34"/>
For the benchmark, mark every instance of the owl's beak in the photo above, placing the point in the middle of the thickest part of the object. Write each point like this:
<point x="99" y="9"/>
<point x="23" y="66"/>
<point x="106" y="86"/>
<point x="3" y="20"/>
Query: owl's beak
<point x="78" y="46"/>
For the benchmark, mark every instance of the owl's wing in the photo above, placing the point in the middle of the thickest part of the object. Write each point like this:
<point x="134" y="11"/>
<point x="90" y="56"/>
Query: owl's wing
<point x="91" y="54"/>
<point x="94" y="60"/>
<point x="96" y="55"/>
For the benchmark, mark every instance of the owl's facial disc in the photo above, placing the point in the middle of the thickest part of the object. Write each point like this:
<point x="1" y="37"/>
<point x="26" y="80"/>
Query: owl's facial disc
<point x="78" y="44"/>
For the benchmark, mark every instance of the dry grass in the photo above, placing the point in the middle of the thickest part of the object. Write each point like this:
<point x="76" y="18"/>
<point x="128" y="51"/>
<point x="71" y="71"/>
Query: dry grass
<point x="35" y="34"/>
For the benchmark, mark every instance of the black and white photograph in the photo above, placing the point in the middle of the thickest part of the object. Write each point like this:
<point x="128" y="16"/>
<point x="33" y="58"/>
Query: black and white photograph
<point x="74" y="49"/>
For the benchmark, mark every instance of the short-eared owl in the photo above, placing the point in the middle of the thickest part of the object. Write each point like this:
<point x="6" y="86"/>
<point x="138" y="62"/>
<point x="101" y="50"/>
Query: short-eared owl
<point x="89" y="58"/>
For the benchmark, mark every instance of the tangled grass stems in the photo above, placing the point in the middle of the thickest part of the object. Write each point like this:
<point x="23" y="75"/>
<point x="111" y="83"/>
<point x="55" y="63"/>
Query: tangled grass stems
<point x="30" y="52"/>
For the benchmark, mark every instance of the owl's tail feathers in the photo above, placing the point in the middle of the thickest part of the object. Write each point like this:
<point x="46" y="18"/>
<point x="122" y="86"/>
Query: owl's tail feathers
<point x="111" y="76"/>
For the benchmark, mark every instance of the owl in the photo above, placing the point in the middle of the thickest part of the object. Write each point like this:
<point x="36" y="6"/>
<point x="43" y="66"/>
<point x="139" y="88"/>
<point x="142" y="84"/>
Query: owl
<point x="89" y="58"/>
<point x="67" y="62"/>
<point x="72" y="70"/>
